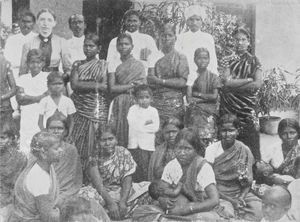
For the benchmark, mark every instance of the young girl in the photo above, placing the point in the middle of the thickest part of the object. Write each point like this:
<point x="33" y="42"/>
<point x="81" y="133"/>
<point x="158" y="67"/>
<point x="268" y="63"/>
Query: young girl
<point x="56" y="100"/>
<point x="32" y="87"/>
<point x="143" y="121"/>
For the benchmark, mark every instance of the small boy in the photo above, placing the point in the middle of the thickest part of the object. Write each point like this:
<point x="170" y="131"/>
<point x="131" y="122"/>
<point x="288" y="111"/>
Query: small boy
<point x="143" y="121"/>
<point x="55" y="101"/>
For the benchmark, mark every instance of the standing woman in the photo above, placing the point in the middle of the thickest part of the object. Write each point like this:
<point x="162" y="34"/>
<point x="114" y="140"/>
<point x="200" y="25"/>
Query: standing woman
<point x="129" y="74"/>
<point x="169" y="78"/>
<point x="239" y="94"/>
<point x="88" y="82"/>
<point x="53" y="47"/>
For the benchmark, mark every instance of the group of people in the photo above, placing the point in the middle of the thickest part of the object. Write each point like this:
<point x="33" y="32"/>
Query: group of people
<point x="145" y="134"/>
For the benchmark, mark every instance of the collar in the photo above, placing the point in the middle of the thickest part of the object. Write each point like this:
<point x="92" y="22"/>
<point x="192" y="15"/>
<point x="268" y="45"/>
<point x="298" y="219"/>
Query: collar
<point x="77" y="38"/>
<point x="132" y="33"/>
<point x="45" y="39"/>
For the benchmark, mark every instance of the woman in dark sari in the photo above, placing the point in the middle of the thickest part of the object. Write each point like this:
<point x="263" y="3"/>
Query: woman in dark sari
<point x="203" y="99"/>
<point x="242" y="80"/>
<point x="88" y="81"/>
<point x="121" y="82"/>
<point x="168" y="78"/>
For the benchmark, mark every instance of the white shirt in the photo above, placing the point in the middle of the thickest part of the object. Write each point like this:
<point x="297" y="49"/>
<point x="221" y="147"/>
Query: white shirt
<point x="38" y="181"/>
<point x="188" y="42"/>
<point x="14" y="46"/>
<point x="213" y="151"/>
<point x="141" y="135"/>
<point x="173" y="172"/>
<point x="140" y="41"/>
<point x="75" y="48"/>
<point x="273" y="155"/>
<point x="47" y="107"/>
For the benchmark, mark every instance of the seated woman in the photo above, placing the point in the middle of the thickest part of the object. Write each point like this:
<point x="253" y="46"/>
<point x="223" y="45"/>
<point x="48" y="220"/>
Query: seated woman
<point x="232" y="162"/>
<point x="68" y="169"/>
<point x="283" y="155"/>
<point x="12" y="161"/>
<point x="203" y="99"/>
<point x="164" y="153"/>
<point x="198" y="181"/>
<point x="37" y="188"/>
<point x="111" y="174"/>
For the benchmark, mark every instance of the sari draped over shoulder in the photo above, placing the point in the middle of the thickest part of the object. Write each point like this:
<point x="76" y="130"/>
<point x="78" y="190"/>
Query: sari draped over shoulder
<point x="11" y="165"/>
<point x="287" y="167"/>
<point x="91" y="108"/>
<point x="168" y="101"/>
<point x="69" y="172"/>
<point x="129" y="71"/>
<point x="243" y="103"/>
<point x="159" y="159"/>
<point x="25" y="208"/>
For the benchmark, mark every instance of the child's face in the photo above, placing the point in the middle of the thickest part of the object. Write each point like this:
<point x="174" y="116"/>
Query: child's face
<point x="35" y="65"/>
<point x="124" y="46"/>
<point x="162" y="186"/>
<point x="144" y="99"/>
<point x="56" y="87"/>
<point x="202" y="60"/>
<point x="272" y="208"/>
<point x="90" y="49"/>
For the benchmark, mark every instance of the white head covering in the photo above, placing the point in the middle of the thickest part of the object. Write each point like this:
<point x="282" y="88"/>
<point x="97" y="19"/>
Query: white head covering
<point x="195" y="10"/>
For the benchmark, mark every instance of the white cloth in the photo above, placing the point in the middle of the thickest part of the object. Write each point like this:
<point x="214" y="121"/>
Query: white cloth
<point x="195" y="10"/>
<point x="283" y="219"/>
<point x="33" y="86"/>
<point x="273" y="155"/>
<point x="141" y="135"/>
<point x="75" y="48"/>
<point x="173" y="172"/>
<point x="38" y="181"/>
<point x="140" y="41"/>
<point x="47" y="107"/>
<point x="293" y="187"/>
<point x="188" y="42"/>
<point x="213" y="151"/>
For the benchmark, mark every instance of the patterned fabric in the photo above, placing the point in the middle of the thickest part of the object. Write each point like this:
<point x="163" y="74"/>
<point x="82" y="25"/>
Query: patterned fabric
<point x="286" y="168"/>
<point x="243" y="104"/>
<point x="168" y="101"/>
<point x="5" y="70"/>
<point x="129" y="71"/>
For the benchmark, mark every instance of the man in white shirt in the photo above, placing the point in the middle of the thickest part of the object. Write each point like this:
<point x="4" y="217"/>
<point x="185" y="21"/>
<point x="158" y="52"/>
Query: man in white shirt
<point x="144" y="45"/>
<point x="189" y="41"/>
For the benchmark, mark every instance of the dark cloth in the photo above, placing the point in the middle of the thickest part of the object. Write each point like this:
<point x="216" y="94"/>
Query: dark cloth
<point x="142" y="158"/>
<point x="5" y="70"/>
<point x="243" y="103"/>
<point x="46" y="47"/>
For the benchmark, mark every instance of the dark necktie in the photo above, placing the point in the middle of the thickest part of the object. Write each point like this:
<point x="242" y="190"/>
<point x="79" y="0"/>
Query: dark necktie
<point x="46" y="48"/>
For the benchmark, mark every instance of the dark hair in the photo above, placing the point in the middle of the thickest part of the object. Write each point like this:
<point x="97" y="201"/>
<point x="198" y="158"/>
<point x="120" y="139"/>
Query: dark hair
<point x="173" y="121"/>
<point x="74" y="206"/>
<point x="190" y="135"/>
<point x="288" y="122"/>
<point x="141" y="88"/>
<point x="242" y="30"/>
<point x="168" y="26"/>
<point x="296" y="163"/>
<point x="153" y="190"/>
<point x="93" y="37"/>
<point x="35" y="53"/>
<point x="229" y="118"/>
<point x="53" y="76"/>
<point x="44" y="10"/>
<point x="124" y="36"/>
<point x="28" y="13"/>
<point x="199" y="50"/>
<point x="74" y="16"/>
<point x="58" y="116"/>
<point x="131" y="12"/>
<point x="8" y="128"/>
<point x="106" y="129"/>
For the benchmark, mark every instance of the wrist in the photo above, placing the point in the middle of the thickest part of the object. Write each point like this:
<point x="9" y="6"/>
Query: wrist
<point x="163" y="81"/>
<point x="191" y="208"/>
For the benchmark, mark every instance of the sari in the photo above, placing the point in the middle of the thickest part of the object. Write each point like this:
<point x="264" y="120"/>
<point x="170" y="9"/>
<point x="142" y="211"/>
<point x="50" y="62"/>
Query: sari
<point x="92" y="109"/>
<point x="202" y="115"/>
<point x="230" y="167"/>
<point x="243" y="103"/>
<point x="287" y="166"/>
<point x="113" y="170"/>
<point x="189" y="180"/>
<point x="12" y="162"/>
<point x="159" y="159"/>
<point x="69" y="172"/>
<point x="168" y="101"/>
<point x="129" y="71"/>
<point x="25" y="208"/>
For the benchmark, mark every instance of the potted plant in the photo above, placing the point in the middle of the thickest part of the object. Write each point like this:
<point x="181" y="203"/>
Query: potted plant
<point x="275" y="95"/>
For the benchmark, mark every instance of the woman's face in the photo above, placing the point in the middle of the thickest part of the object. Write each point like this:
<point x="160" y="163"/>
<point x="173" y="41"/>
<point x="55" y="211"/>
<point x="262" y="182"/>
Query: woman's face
<point x="5" y="140"/>
<point x="108" y="143"/>
<point x="228" y="134"/>
<point x="170" y="132"/>
<point x="168" y="38"/>
<point x="46" y="23"/>
<point x="194" y="23"/>
<point x="184" y="152"/>
<point x="124" y="46"/>
<point x="132" y="23"/>
<point x="90" y="49"/>
<point x="289" y="136"/>
<point x="202" y="60"/>
<point x="242" y="42"/>
<point x="54" y="152"/>
<point x="26" y="24"/>
<point x="57" y="128"/>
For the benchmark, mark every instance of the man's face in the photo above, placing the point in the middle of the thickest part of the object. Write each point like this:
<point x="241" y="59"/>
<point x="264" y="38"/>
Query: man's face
<point x="77" y="26"/>
<point x="26" y="24"/>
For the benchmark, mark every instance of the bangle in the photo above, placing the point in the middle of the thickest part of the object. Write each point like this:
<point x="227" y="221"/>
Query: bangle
<point x="249" y="80"/>
<point x="191" y="209"/>
<point x="164" y="81"/>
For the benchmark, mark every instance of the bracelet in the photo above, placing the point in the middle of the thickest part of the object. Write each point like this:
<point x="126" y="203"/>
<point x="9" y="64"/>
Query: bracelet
<point x="164" y="81"/>
<point x="191" y="209"/>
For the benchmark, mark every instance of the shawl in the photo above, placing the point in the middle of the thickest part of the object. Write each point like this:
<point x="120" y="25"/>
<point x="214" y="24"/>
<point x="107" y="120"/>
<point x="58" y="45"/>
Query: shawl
<point x="4" y="86"/>
<point x="287" y="167"/>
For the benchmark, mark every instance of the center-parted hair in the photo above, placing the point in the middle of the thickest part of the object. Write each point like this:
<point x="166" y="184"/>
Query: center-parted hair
<point x="173" y="121"/>
<point x="93" y="37"/>
<point x="58" y="116"/>
<point x="288" y="122"/>
<point x="124" y="36"/>
<point x="199" y="50"/>
<point x="229" y="118"/>
<point x="46" y="10"/>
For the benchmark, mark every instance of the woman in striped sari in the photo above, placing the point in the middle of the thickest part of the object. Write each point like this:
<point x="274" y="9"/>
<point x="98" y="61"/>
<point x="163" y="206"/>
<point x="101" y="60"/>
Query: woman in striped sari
<point x="239" y="94"/>
<point x="129" y="74"/>
<point x="88" y="81"/>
